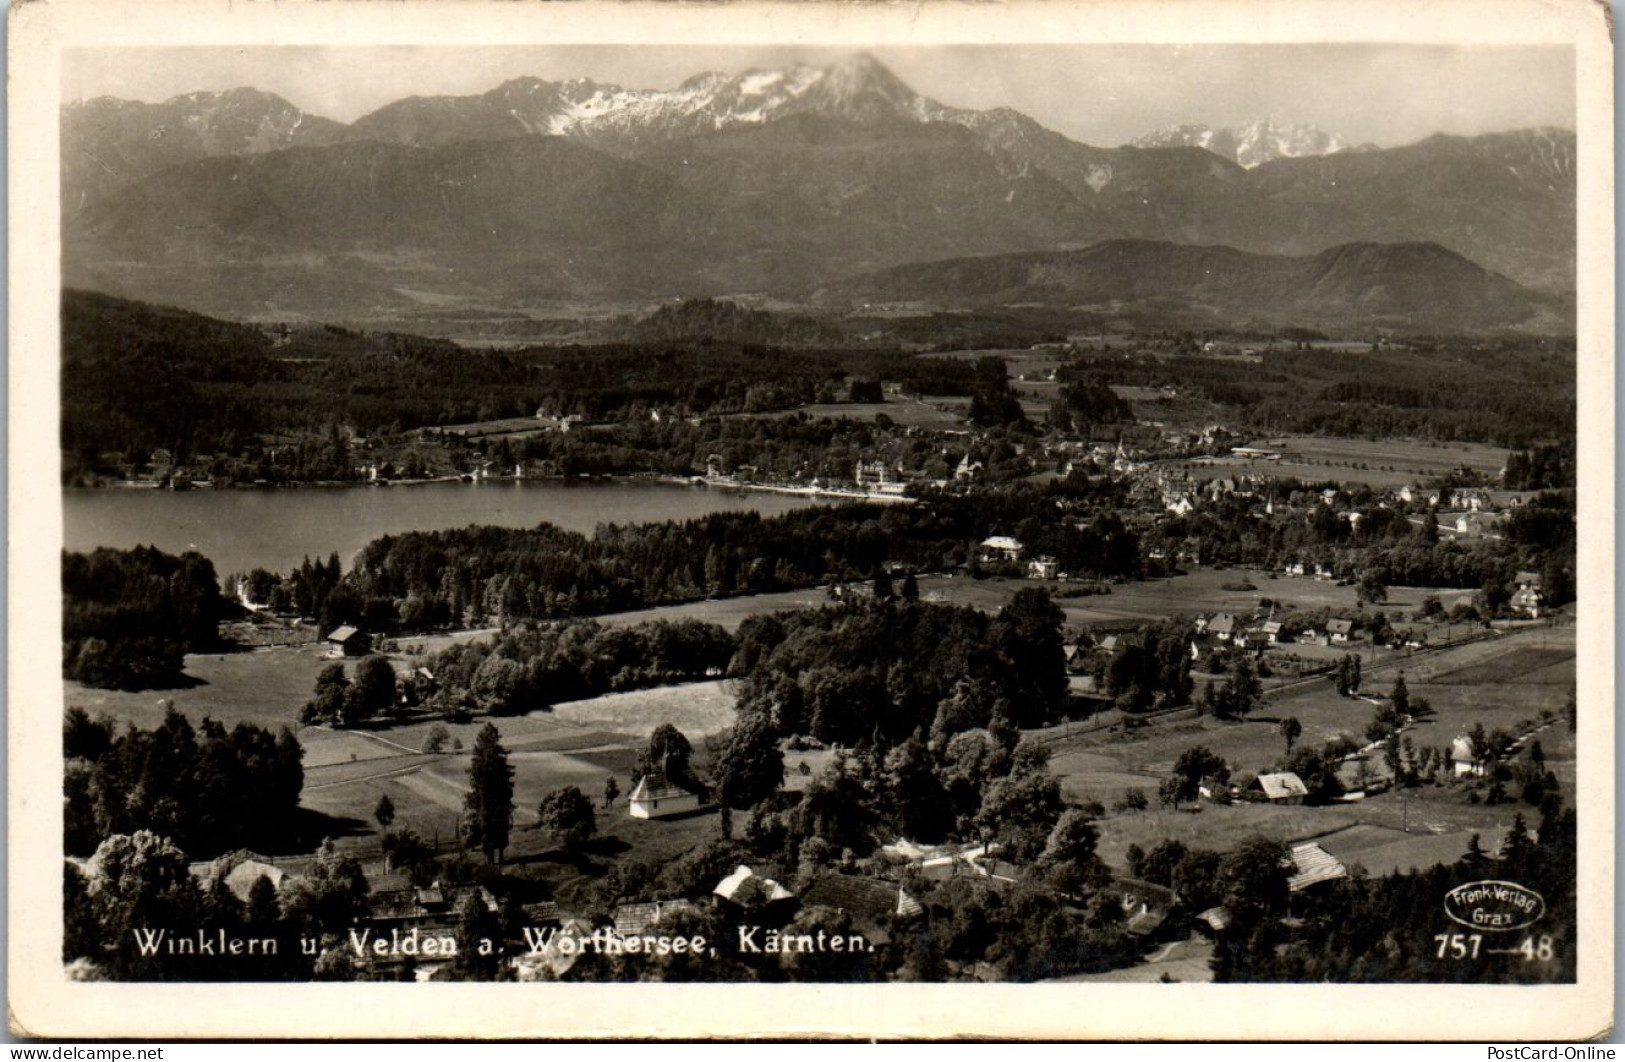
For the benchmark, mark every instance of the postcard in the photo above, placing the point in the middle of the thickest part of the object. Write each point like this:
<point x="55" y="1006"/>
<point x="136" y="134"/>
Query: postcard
<point x="1021" y="520"/>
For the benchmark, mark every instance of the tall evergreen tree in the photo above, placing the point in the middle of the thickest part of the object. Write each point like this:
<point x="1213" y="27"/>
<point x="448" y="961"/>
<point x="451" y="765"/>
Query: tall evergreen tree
<point x="490" y="795"/>
<point x="1401" y="697"/>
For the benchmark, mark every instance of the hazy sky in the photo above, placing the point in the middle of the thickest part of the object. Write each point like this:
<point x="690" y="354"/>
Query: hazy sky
<point x="1103" y="94"/>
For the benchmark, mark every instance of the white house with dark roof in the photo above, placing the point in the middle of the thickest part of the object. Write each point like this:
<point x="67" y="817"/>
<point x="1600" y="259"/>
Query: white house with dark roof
<point x="1043" y="568"/>
<point x="654" y="797"/>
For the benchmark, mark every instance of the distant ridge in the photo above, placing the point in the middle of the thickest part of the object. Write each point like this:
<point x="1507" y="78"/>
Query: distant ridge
<point x="778" y="181"/>
<point x="1419" y="284"/>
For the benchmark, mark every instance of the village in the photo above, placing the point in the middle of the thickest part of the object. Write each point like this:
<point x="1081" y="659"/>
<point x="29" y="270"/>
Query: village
<point x="1378" y="729"/>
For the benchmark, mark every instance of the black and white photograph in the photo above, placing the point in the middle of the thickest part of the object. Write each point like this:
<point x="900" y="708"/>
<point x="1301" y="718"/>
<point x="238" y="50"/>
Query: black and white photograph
<point x="842" y="510"/>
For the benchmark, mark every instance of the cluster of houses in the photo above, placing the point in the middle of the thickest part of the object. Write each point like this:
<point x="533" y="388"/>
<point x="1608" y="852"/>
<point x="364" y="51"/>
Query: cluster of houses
<point x="873" y="906"/>
<point x="1226" y="629"/>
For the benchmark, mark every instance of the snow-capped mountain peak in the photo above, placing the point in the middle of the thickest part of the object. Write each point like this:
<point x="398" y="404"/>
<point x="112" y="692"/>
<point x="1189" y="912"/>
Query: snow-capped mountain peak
<point x="858" y="87"/>
<point x="1250" y="143"/>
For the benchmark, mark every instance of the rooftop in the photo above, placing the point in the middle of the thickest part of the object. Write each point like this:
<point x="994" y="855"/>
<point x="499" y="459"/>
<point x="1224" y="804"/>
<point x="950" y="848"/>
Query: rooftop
<point x="866" y="897"/>
<point x="1313" y="865"/>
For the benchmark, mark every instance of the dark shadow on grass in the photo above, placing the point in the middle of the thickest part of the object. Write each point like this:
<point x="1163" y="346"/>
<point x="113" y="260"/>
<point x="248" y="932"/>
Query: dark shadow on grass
<point x="577" y="861"/>
<point x="309" y="828"/>
<point x="709" y="809"/>
<point x="156" y="684"/>
<point x="606" y="846"/>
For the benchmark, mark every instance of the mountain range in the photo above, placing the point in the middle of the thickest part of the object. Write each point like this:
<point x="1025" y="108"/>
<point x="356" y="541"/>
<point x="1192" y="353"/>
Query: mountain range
<point x="1420" y="284"/>
<point x="1251" y="143"/>
<point x="787" y="181"/>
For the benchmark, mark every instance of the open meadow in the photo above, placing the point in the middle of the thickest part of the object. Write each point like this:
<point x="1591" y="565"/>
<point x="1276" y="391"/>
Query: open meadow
<point x="261" y="686"/>
<point x="1200" y="590"/>
<point x="1498" y="683"/>
<point x="1384" y="463"/>
<point x="579" y="743"/>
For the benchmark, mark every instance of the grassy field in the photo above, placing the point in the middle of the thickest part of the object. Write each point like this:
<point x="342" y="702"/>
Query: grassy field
<point x="1517" y="665"/>
<point x="580" y="743"/>
<point x="1200" y="590"/>
<point x="1377" y="463"/>
<point x="728" y="612"/>
<point x="1395" y="830"/>
<point x="1422" y="832"/>
<point x="1420" y="458"/>
<point x="698" y="709"/>
<point x="1385" y="850"/>
<point x="262" y="686"/>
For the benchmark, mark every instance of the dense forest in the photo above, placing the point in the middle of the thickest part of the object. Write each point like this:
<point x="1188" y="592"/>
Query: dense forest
<point x="468" y="575"/>
<point x="884" y="672"/>
<point x="1513" y="393"/>
<point x="130" y="616"/>
<point x="208" y="789"/>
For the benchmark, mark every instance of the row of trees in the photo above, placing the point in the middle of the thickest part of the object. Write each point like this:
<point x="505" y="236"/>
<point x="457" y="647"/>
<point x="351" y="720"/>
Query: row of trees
<point x="207" y="789"/>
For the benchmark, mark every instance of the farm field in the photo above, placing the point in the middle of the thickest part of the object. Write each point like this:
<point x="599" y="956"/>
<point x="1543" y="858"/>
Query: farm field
<point x="1520" y="665"/>
<point x="1255" y="744"/>
<point x="579" y="743"/>
<point x="1438" y="832"/>
<point x="1390" y="831"/>
<point x="698" y="709"/>
<point x="1377" y="463"/>
<point x="1420" y="458"/>
<point x="728" y="612"/>
<point x="512" y="426"/>
<point x="1200" y="590"/>
<point x="1384" y="850"/>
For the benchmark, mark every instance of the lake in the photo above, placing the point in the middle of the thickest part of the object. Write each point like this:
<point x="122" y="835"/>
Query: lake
<point x="276" y="529"/>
